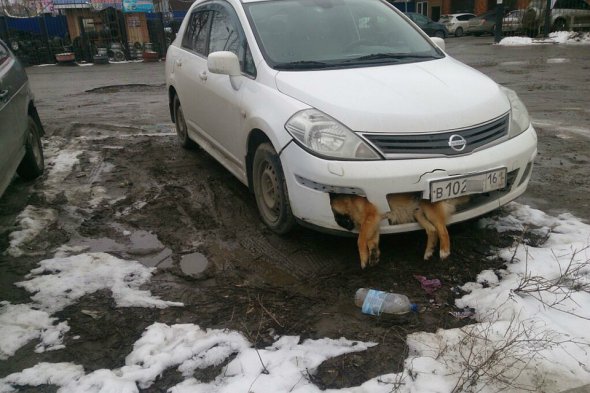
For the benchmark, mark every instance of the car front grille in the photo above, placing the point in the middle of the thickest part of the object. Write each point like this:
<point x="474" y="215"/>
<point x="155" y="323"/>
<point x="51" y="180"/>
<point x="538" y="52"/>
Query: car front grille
<point x="439" y="143"/>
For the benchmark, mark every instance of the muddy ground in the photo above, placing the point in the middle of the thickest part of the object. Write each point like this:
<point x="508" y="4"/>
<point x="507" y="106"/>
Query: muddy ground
<point x="136" y="194"/>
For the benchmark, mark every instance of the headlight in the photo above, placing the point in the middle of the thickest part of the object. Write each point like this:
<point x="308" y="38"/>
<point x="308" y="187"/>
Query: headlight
<point x="326" y="137"/>
<point x="519" y="116"/>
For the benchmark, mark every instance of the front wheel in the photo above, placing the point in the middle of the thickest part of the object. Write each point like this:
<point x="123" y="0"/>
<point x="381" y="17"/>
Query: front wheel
<point x="559" y="25"/>
<point x="270" y="190"/>
<point x="459" y="32"/>
<point x="181" y="127"/>
<point x="33" y="162"/>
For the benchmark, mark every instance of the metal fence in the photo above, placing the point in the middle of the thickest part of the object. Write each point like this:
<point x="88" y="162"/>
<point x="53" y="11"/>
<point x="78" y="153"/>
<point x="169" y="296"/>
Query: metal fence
<point x="35" y="40"/>
<point x="542" y="17"/>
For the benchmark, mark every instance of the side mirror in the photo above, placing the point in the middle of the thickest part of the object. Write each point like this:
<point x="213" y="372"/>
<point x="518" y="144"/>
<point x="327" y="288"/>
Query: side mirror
<point x="439" y="42"/>
<point x="224" y="62"/>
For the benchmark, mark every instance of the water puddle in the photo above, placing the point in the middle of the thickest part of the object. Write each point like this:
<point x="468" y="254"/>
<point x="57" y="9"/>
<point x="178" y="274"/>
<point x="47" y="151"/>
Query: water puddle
<point x="557" y="61"/>
<point x="142" y="246"/>
<point x="194" y="264"/>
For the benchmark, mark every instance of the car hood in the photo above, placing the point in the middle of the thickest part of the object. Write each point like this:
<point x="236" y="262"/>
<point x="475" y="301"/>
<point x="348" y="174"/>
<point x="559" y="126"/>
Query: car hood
<point x="427" y="96"/>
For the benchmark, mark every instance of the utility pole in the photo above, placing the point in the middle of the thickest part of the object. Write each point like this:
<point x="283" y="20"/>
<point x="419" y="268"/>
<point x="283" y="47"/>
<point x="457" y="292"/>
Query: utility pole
<point x="547" y="28"/>
<point x="499" y="17"/>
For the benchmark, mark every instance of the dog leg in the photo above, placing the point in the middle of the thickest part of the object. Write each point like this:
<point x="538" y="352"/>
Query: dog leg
<point x="363" y="249"/>
<point x="430" y="233"/>
<point x="371" y="229"/>
<point x="436" y="214"/>
<point x="368" y="241"/>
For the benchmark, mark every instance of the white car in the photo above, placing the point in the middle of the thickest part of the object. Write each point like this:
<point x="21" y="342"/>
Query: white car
<point x="301" y="99"/>
<point x="456" y="23"/>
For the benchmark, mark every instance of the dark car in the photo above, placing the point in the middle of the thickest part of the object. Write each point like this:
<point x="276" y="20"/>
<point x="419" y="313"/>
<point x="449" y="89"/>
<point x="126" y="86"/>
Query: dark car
<point x="433" y="29"/>
<point x="20" y="128"/>
<point x="482" y="24"/>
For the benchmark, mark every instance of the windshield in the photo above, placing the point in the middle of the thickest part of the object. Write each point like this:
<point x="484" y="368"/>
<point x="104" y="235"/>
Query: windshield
<point x="317" y="34"/>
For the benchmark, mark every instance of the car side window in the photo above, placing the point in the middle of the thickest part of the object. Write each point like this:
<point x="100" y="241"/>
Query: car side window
<point x="195" y="37"/>
<point x="226" y="35"/>
<point x="4" y="55"/>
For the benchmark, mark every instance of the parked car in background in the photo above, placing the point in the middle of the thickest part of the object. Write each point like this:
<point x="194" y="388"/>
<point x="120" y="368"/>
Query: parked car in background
<point x="512" y="22"/>
<point x="433" y="29"/>
<point x="482" y="24"/>
<point x="303" y="101"/>
<point x="456" y="23"/>
<point x="20" y="128"/>
<point x="565" y="15"/>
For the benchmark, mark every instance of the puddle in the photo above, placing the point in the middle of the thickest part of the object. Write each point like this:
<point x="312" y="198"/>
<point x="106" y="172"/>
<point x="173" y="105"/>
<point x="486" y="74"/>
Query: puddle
<point x="142" y="246"/>
<point x="557" y="61"/>
<point x="132" y="87"/>
<point x="194" y="264"/>
<point x="512" y="63"/>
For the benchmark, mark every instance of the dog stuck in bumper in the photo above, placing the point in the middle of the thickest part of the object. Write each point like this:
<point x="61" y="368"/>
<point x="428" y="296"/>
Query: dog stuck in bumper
<point x="432" y="216"/>
<point x="356" y="212"/>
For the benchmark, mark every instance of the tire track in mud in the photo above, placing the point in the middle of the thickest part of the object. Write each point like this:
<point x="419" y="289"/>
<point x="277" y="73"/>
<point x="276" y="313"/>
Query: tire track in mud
<point x="236" y="212"/>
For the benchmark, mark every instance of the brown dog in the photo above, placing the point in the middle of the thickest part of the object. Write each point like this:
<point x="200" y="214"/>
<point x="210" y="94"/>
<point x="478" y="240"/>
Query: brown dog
<point x="353" y="211"/>
<point x="432" y="216"/>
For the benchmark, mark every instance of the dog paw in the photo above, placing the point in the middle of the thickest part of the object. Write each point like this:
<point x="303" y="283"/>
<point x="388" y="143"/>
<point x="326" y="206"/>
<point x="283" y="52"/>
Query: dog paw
<point x="374" y="256"/>
<point x="444" y="254"/>
<point x="427" y="255"/>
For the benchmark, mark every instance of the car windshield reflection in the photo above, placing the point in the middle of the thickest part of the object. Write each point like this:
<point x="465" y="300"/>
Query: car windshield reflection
<point x="305" y="34"/>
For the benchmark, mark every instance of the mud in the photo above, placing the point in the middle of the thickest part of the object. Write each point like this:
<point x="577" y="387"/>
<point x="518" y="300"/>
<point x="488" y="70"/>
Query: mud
<point x="136" y="194"/>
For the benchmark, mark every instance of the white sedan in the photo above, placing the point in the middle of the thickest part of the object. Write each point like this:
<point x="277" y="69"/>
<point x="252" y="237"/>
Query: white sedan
<point x="303" y="99"/>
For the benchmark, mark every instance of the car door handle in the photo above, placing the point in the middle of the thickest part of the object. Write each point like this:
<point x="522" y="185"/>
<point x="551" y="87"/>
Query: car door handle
<point x="203" y="75"/>
<point x="3" y="95"/>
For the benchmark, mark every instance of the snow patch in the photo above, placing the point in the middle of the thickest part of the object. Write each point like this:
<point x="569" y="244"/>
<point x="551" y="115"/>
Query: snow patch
<point x="20" y="324"/>
<point x="60" y="282"/>
<point x="31" y="221"/>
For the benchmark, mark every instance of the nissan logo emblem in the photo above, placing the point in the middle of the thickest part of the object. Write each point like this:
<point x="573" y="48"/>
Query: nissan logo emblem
<point x="457" y="142"/>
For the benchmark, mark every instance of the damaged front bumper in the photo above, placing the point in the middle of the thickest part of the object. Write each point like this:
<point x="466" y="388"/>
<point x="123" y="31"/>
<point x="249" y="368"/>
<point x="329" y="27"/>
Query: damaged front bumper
<point x="310" y="180"/>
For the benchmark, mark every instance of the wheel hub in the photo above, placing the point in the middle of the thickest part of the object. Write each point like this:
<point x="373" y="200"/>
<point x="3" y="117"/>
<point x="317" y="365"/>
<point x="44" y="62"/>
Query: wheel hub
<point x="269" y="188"/>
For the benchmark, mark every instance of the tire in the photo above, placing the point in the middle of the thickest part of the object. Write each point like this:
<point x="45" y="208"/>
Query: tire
<point x="459" y="32"/>
<point x="181" y="127"/>
<point x="559" y="25"/>
<point x="440" y="34"/>
<point x="270" y="190"/>
<point x="33" y="162"/>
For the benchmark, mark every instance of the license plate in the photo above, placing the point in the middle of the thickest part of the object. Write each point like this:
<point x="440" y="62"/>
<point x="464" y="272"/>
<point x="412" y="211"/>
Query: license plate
<point x="465" y="185"/>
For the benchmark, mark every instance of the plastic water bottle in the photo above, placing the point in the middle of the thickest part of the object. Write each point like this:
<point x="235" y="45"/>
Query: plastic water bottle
<point x="374" y="302"/>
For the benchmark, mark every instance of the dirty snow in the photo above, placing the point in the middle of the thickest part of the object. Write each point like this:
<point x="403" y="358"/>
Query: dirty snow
<point x="558" y="37"/>
<point x="532" y="330"/>
<point x="60" y="282"/>
<point x="30" y="222"/>
<point x="20" y="324"/>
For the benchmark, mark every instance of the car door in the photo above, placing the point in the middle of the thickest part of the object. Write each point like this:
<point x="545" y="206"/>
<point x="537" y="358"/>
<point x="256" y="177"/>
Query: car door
<point x="222" y="114"/>
<point x="13" y="120"/>
<point x="189" y="66"/>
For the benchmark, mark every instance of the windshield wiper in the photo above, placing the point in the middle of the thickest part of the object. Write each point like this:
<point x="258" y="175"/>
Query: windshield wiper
<point x="394" y="56"/>
<point x="301" y="65"/>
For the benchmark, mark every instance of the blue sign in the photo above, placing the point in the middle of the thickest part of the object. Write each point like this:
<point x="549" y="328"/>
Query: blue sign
<point x="138" y="6"/>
